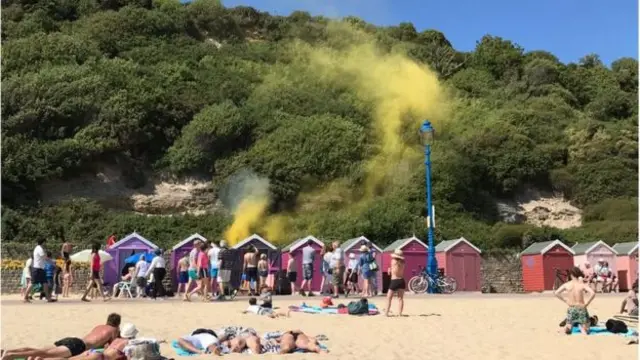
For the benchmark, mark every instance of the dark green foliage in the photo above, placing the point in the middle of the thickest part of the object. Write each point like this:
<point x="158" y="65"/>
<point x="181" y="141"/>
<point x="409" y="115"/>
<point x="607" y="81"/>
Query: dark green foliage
<point x="172" y="89"/>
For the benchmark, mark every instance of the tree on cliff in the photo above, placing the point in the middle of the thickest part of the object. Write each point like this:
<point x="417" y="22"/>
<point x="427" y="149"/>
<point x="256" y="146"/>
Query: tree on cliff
<point x="180" y="89"/>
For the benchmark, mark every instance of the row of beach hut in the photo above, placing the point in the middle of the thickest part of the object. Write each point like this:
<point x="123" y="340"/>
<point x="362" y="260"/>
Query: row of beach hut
<point x="541" y="261"/>
<point x="458" y="258"/>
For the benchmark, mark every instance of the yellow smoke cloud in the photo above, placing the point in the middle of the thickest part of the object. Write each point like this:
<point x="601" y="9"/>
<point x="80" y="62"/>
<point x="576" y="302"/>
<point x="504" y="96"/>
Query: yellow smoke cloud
<point x="247" y="195"/>
<point x="401" y="94"/>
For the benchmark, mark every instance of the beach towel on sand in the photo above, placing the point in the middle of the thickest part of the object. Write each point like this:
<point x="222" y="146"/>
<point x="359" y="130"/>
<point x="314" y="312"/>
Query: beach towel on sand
<point x="373" y="310"/>
<point x="601" y="330"/>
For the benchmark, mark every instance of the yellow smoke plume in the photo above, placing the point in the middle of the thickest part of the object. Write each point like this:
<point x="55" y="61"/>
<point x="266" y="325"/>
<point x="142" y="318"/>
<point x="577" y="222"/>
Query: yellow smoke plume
<point x="247" y="195"/>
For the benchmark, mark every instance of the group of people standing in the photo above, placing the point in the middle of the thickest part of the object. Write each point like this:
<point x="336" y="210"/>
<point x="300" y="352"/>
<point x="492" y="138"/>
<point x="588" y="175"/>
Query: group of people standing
<point x="339" y="275"/>
<point x="209" y="267"/>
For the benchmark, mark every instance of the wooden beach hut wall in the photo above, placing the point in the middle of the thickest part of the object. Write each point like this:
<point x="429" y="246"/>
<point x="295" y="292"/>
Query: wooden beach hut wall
<point x="131" y="244"/>
<point x="627" y="264"/>
<point x="264" y="247"/>
<point x="415" y="255"/>
<point x="179" y="250"/>
<point x="540" y="262"/>
<point x="461" y="260"/>
<point x="295" y="250"/>
<point x="352" y="246"/>
<point x="591" y="252"/>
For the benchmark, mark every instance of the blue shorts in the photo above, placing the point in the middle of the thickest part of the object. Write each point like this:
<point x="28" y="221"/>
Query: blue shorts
<point x="214" y="273"/>
<point x="367" y="275"/>
<point x="183" y="277"/>
<point x="193" y="274"/>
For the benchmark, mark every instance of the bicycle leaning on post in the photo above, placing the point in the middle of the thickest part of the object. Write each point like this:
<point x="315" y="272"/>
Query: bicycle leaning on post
<point x="421" y="282"/>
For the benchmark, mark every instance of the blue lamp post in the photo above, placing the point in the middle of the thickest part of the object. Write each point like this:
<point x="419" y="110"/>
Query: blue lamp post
<point x="427" y="133"/>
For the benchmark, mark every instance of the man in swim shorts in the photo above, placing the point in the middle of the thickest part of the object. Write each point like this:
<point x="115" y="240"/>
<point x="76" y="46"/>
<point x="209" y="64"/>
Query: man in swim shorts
<point x="115" y="350"/>
<point x="192" y="271"/>
<point x="71" y="346"/>
<point x="397" y="284"/>
<point x="577" y="312"/>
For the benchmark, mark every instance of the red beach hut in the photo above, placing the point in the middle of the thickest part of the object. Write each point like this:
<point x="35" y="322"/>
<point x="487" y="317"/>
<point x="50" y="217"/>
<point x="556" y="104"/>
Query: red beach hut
<point x="352" y="246"/>
<point x="131" y="244"/>
<point x="179" y="250"/>
<point x="627" y="264"/>
<point x="540" y="262"/>
<point x="415" y="255"/>
<point x="461" y="260"/>
<point x="295" y="250"/>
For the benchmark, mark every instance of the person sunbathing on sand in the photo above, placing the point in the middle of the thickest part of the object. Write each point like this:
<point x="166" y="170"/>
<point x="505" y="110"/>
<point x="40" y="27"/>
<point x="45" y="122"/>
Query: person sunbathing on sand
<point x="577" y="312"/>
<point x="254" y="308"/>
<point x="630" y="304"/>
<point x="70" y="346"/>
<point x="293" y="340"/>
<point x="115" y="350"/>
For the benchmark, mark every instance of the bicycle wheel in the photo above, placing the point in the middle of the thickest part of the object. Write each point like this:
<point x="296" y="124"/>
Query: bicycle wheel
<point x="418" y="285"/>
<point x="448" y="285"/>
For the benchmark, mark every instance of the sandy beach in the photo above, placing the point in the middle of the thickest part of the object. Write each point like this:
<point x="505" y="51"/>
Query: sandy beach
<point x="458" y="327"/>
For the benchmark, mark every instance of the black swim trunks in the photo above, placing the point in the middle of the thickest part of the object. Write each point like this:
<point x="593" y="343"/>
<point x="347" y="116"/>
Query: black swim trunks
<point x="75" y="345"/>
<point x="263" y="273"/>
<point x="38" y="276"/>
<point x="252" y="273"/>
<point x="292" y="276"/>
<point x="397" y="284"/>
<point x="95" y="275"/>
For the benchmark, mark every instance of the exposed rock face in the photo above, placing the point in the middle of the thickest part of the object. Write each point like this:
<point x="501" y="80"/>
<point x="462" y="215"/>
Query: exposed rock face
<point x="540" y="209"/>
<point x="157" y="197"/>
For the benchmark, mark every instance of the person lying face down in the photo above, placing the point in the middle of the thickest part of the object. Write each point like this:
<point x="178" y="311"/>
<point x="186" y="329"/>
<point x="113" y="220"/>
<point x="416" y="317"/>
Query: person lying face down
<point x="293" y="340"/>
<point x="254" y="308"/>
<point x="207" y="341"/>
<point x="72" y="346"/>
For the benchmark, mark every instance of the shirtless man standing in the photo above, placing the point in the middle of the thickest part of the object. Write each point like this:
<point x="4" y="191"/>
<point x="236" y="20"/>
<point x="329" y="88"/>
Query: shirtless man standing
<point x="397" y="284"/>
<point x="69" y="347"/>
<point x="250" y="268"/>
<point x="192" y="271"/>
<point x="183" y="274"/>
<point x="577" y="312"/>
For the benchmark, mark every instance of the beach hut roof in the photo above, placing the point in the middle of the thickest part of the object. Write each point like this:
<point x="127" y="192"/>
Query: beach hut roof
<point x="543" y="247"/>
<point x="399" y="244"/>
<point x="626" y="248"/>
<point x="348" y="244"/>
<point x="298" y="243"/>
<point x="134" y="235"/>
<point x="191" y="238"/>
<point x="585" y="248"/>
<point x="255" y="237"/>
<point x="447" y="245"/>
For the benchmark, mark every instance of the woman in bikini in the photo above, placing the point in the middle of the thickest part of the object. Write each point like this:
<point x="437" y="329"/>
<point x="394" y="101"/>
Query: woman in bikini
<point x="67" y="277"/>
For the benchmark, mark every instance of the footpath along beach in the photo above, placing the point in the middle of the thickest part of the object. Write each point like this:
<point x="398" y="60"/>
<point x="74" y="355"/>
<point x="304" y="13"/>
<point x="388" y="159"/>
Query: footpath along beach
<point x="458" y="327"/>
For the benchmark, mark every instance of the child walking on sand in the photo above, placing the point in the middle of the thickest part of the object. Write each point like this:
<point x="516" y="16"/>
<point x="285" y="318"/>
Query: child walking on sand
<point x="397" y="284"/>
<point x="577" y="312"/>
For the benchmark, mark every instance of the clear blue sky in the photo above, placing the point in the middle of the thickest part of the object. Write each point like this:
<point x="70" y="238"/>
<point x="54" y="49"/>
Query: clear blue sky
<point x="569" y="29"/>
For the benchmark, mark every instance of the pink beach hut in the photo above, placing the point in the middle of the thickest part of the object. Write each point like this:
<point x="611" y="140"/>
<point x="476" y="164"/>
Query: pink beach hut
<point x="352" y="246"/>
<point x="415" y="255"/>
<point x="627" y="264"/>
<point x="461" y="260"/>
<point x="295" y="250"/>
<point x="131" y="244"/>
<point x="179" y="250"/>
<point x="264" y="247"/>
<point x="593" y="251"/>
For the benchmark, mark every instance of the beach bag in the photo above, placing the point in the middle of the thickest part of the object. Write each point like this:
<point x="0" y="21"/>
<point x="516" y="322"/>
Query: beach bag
<point x="358" y="307"/>
<point x="616" y="326"/>
<point x="373" y="265"/>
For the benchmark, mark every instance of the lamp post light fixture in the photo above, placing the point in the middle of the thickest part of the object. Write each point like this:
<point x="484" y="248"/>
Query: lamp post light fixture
<point x="427" y="134"/>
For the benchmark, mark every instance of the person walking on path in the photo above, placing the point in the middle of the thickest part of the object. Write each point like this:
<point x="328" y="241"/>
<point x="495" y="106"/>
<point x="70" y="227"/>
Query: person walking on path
<point x="96" y="264"/>
<point x="159" y="271"/>
<point x="308" y="256"/>
<point x="38" y="274"/>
